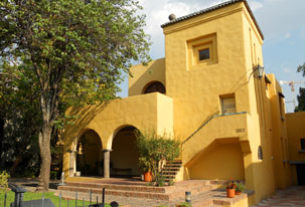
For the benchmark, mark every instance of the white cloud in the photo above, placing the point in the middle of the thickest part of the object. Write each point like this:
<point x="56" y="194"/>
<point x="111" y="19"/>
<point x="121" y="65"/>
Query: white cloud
<point x="287" y="70"/>
<point x="287" y="35"/>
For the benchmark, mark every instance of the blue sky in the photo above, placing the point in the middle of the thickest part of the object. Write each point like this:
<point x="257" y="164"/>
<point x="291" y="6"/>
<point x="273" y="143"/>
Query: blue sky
<point x="282" y="23"/>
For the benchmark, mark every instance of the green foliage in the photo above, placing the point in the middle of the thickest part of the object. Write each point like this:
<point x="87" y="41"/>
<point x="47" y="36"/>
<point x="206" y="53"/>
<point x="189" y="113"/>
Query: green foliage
<point x="301" y="101"/>
<point x="155" y="148"/>
<point x="160" y="179"/>
<point x="301" y="96"/>
<point x="19" y="121"/>
<point x="184" y="204"/>
<point x="72" y="52"/>
<point x="4" y="181"/>
<point x="301" y="69"/>
<point x="240" y="187"/>
<point x="171" y="182"/>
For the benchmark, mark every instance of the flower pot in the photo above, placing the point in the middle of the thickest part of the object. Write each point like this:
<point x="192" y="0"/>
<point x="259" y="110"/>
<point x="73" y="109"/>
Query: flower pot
<point x="148" y="177"/>
<point x="230" y="192"/>
<point x="237" y="192"/>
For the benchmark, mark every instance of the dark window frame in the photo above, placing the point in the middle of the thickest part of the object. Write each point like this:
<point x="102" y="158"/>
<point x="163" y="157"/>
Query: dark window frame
<point x="302" y="143"/>
<point x="204" y="54"/>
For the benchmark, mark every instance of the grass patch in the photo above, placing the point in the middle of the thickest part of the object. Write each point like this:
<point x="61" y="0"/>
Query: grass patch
<point x="36" y="196"/>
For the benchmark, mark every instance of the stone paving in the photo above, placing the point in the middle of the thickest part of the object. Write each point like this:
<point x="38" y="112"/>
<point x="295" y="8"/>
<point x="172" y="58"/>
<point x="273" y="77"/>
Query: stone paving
<point x="290" y="197"/>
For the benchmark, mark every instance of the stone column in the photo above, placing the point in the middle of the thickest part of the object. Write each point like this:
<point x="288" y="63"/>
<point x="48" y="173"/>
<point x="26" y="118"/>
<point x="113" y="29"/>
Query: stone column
<point x="71" y="163"/>
<point x="106" y="163"/>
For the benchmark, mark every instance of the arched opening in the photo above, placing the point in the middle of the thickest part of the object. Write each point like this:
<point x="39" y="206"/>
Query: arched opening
<point x="124" y="155"/>
<point x="155" y="86"/>
<point x="89" y="154"/>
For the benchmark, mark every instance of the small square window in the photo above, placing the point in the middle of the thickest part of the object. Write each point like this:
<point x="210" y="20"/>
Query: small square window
<point x="204" y="54"/>
<point x="302" y="143"/>
<point x="228" y="104"/>
<point x="202" y="51"/>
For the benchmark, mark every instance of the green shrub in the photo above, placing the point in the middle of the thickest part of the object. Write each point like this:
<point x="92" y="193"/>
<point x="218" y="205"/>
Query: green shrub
<point x="184" y="204"/>
<point x="160" y="180"/>
<point x="4" y="181"/>
<point x="171" y="182"/>
<point x="155" y="148"/>
<point x="240" y="187"/>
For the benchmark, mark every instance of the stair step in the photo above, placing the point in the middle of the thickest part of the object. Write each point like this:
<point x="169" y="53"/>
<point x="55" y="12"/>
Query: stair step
<point x="168" y="172"/>
<point x="69" y="192"/>
<point x="89" y="186"/>
<point x="169" y="176"/>
<point x="172" y="165"/>
<point x="172" y="169"/>
<point x="175" y="162"/>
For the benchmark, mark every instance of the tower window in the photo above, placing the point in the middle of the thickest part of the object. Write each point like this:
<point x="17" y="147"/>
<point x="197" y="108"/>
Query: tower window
<point x="204" y="54"/>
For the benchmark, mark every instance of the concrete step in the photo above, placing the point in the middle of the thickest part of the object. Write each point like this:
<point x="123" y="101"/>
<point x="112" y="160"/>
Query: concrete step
<point x="140" y="188"/>
<point x="168" y="172"/>
<point x="69" y="193"/>
<point x="172" y="165"/>
<point x="174" y="162"/>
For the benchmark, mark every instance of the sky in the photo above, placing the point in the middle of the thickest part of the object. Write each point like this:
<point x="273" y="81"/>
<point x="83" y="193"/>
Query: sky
<point x="281" y="21"/>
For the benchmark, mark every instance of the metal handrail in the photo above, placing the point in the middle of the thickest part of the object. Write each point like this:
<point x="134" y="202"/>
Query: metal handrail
<point x="208" y="120"/>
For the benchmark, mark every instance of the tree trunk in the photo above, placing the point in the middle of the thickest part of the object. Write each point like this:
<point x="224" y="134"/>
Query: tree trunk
<point x="45" y="154"/>
<point x="44" y="146"/>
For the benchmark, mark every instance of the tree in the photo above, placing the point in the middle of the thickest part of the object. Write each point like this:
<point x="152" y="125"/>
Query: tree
<point x="301" y="96"/>
<point x="19" y="122"/>
<point x="77" y="50"/>
<point x="301" y="101"/>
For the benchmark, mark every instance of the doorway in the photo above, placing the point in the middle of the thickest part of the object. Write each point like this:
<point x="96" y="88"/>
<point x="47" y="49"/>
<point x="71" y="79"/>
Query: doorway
<point x="301" y="174"/>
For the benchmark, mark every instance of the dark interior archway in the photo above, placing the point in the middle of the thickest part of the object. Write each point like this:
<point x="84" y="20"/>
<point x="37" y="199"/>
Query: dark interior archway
<point x="124" y="155"/>
<point x="155" y="86"/>
<point x="89" y="154"/>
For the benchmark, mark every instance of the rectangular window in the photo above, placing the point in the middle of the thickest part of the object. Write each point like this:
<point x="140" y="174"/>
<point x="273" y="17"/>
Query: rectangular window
<point x="302" y="143"/>
<point x="228" y="104"/>
<point x="202" y="51"/>
<point x="204" y="54"/>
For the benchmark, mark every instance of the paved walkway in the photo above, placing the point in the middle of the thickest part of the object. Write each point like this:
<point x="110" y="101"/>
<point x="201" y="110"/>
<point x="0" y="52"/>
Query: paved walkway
<point x="290" y="197"/>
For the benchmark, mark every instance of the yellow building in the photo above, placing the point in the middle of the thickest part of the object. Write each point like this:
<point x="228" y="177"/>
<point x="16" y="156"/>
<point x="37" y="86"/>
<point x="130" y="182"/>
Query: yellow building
<point x="210" y="92"/>
<point x="296" y="145"/>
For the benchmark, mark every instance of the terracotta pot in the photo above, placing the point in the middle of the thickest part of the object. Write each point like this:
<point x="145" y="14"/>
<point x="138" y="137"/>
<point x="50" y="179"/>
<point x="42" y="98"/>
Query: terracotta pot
<point x="237" y="192"/>
<point x="230" y="193"/>
<point x="148" y="177"/>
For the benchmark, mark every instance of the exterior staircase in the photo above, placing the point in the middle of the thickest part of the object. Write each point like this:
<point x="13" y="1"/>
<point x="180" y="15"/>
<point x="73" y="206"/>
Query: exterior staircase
<point x="170" y="170"/>
<point x="204" y="193"/>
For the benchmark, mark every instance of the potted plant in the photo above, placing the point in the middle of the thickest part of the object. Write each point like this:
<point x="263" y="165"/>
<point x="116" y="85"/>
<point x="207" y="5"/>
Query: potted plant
<point x="231" y="189"/>
<point x="239" y="188"/>
<point x="146" y="168"/>
<point x="153" y="149"/>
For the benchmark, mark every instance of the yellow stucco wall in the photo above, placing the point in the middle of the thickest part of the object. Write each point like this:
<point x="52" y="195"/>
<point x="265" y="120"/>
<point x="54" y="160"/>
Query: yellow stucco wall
<point x="219" y="162"/>
<point x="296" y="131"/>
<point x="106" y="119"/>
<point x="142" y="75"/>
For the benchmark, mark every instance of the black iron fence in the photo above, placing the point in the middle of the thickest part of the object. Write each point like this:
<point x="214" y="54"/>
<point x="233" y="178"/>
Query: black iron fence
<point x="44" y="202"/>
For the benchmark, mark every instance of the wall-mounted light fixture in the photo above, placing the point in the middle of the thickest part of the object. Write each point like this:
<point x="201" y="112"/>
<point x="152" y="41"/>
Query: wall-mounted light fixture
<point x="259" y="71"/>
